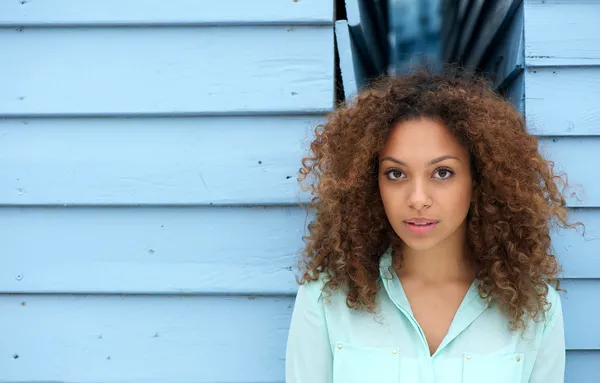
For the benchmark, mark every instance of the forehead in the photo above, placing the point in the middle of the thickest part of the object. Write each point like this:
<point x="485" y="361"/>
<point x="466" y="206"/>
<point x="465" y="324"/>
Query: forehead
<point x="422" y="138"/>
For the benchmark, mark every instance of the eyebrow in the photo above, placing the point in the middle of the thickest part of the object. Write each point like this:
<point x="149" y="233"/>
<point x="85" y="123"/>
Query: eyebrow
<point x="432" y="162"/>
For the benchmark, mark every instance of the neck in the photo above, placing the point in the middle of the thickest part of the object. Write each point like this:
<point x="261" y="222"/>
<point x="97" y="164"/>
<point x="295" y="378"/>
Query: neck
<point x="447" y="262"/>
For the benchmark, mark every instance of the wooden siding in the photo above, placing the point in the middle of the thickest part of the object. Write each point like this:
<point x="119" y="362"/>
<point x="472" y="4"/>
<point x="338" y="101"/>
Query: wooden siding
<point x="150" y="211"/>
<point x="560" y="103"/>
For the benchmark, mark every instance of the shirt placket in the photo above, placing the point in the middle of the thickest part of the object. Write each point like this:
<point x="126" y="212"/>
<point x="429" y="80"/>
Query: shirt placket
<point x="469" y="310"/>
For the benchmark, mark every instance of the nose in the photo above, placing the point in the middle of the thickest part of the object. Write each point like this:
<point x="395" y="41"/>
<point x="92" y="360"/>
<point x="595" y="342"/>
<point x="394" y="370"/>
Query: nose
<point x="419" y="197"/>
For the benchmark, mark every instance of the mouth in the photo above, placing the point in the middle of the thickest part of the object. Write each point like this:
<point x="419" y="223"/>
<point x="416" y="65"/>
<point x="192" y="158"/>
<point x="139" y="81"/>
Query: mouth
<point x="420" y="225"/>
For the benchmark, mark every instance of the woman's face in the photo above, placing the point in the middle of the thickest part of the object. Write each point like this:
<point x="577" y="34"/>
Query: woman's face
<point x="425" y="183"/>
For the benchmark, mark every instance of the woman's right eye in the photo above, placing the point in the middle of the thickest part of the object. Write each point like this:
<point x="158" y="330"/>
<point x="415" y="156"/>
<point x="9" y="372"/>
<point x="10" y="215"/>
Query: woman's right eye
<point x="394" y="174"/>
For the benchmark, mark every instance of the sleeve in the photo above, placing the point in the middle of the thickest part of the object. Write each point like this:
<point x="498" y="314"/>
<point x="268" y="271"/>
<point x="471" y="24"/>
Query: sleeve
<point x="309" y="356"/>
<point x="549" y="365"/>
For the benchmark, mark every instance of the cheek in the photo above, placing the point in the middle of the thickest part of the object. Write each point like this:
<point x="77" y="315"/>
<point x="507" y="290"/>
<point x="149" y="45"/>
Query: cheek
<point x="391" y="199"/>
<point x="459" y="200"/>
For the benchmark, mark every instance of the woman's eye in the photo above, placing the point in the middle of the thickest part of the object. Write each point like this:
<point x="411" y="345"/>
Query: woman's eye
<point x="443" y="173"/>
<point x="394" y="174"/>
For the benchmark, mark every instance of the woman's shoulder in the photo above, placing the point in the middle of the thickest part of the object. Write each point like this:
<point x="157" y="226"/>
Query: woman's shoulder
<point x="318" y="289"/>
<point x="554" y="310"/>
<point x="315" y="287"/>
<point x="549" y="314"/>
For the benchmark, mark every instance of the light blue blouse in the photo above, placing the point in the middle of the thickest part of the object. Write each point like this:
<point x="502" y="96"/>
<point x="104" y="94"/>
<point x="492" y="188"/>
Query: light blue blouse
<point x="330" y="343"/>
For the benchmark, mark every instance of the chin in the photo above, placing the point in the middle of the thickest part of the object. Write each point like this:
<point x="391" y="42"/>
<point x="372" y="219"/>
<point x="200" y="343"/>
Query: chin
<point x="422" y="244"/>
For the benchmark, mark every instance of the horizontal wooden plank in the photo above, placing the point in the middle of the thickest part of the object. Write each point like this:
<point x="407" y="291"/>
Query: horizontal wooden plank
<point x="569" y="153"/>
<point x="20" y="13"/>
<point x="563" y="101"/>
<point x="507" y="58"/>
<point x="577" y="250"/>
<point x="188" y="250"/>
<point x="166" y="161"/>
<point x="581" y="319"/>
<point x="582" y="366"/>
<point x="166" y="71"/>
<point x="185" y="339"/>
<point x="562" y="32"/>
<point x="351" y="66"/>
<point x="185" y="161"/>
<point x="151" y="250"/>
<point x="143" y="338"/>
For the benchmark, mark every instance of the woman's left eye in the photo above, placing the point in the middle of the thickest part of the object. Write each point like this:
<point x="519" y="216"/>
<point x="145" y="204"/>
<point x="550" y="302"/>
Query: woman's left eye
<point x="443" y="173"/>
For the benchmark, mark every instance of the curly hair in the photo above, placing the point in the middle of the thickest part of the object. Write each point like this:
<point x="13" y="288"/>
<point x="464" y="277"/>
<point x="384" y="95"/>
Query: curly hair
<point x="519" y="197"/>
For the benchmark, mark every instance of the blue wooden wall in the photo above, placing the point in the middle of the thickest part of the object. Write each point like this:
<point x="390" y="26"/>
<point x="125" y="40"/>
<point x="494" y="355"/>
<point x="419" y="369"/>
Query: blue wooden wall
<point x="149" y="208"/>
<point x="561" y="95"/>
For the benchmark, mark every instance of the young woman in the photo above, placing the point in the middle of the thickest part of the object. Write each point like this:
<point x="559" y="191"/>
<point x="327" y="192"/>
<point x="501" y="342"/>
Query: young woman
<point x="429" y="257"/>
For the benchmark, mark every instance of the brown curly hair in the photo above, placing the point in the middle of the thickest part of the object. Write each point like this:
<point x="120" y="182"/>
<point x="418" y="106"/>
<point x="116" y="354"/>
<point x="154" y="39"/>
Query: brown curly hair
<point x="519" y="197"/>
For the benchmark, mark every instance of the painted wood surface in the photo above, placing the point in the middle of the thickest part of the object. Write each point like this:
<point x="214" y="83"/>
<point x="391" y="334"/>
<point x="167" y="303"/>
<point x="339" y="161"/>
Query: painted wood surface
<point x="185" y="161"/>
<point x="351" y="65"/>
<point x="180" y="339"/>
<point x="569" y="153"/>
<point x="166" y="71"/>
<point x="210" y="250"/>
<point x="560" y="86"/>
<point x="140" y="106"/>
<point x="563" y="100"/>
<point x="562" y="33"/>
<point x="139" y="339"/>
<point x="581" y="329"/>
<point x="154" y="161"/>
<point x="582" y="367"/>
<point x="19" y="13"/>
<point x="577" y="251"/>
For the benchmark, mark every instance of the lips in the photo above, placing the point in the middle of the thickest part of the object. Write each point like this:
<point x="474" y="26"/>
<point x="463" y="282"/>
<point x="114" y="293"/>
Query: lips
<point x="420" y="221"/>
<point x="420" y="225"/>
